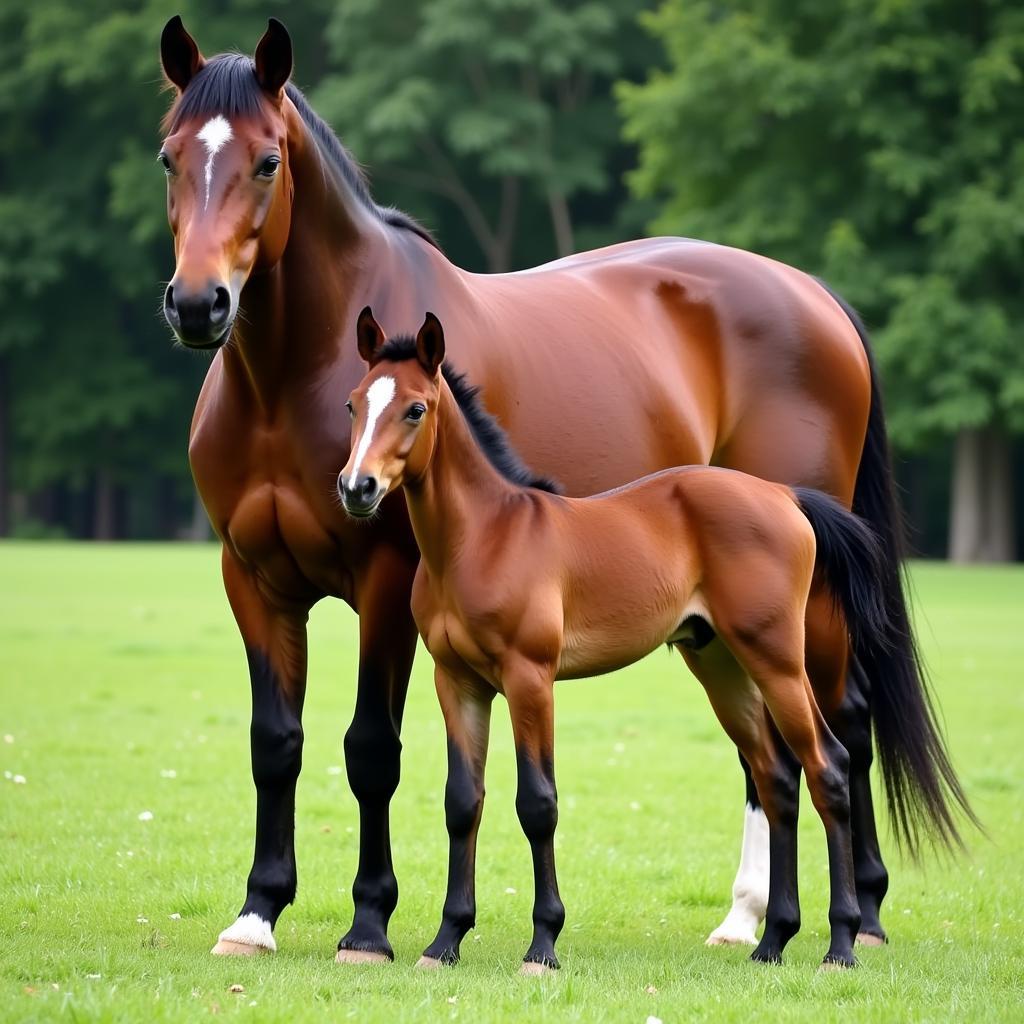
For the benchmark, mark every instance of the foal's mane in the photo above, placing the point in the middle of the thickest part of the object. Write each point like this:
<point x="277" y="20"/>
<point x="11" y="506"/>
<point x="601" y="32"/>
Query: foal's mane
<point x="227" y="85"/>
<point x="490" y="437"/>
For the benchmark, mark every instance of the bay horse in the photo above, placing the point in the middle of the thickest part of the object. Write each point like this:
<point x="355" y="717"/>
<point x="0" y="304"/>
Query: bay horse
<point x="518" y="586"/>
<point x="735" y="360"/>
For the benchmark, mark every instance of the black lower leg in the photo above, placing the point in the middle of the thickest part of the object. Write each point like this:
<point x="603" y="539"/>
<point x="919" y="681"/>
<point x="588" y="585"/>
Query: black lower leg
<point x="537" y="807"/>
<point x="463" y="805"/>
<point x="872" y="879"/>
<point x="276" y="746"/>
<point x="372" y="757"/>
<point x="781" y="801"/>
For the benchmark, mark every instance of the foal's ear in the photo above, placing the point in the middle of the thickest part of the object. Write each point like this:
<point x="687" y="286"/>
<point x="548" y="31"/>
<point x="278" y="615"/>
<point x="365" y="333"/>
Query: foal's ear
<point x="369" y="336"/>
<point x="273" y="58"/>
<point x="430" y="344"/>
<point x="179" y="54"/>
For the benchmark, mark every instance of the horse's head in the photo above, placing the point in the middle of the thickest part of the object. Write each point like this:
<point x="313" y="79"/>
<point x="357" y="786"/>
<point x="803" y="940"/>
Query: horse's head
<point x="229" y="188"/>
<point x="394" y="412"/>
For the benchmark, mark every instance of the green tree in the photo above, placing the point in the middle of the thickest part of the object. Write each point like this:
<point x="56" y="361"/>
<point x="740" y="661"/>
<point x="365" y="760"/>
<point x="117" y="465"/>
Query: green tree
<point x="875" y="143"/>
<point x="500" y="107"/>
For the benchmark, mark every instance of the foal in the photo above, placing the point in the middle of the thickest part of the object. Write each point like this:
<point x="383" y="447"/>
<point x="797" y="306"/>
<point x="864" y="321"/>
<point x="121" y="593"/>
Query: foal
<point x="518" y="586"/>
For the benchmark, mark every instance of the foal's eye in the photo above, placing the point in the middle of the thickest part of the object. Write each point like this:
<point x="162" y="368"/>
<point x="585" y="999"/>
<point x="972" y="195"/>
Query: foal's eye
<point x="415" y="413"/>
<point x="165" y="163"/>
<point x="269" y="167"/>
<point x="348" y="405"/>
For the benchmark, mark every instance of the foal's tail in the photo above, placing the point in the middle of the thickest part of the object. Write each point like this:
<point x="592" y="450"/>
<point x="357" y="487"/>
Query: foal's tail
<point x="851" y="560"/>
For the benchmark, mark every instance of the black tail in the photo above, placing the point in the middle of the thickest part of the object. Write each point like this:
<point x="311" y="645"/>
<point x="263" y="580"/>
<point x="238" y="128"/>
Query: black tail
<point x="921" y="787"/>
<point x="851" y="559"/>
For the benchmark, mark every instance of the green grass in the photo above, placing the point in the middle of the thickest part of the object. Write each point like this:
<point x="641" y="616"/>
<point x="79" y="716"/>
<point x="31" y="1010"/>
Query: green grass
<point x="120" y="664"/>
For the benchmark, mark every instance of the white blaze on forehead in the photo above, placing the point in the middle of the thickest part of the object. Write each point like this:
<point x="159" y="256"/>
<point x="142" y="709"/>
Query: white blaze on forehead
<point x="378" y="396"/>
<point x="213" y="135"/>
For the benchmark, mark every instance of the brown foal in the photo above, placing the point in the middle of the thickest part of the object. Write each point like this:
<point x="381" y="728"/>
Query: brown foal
<point x="519" y="586"/>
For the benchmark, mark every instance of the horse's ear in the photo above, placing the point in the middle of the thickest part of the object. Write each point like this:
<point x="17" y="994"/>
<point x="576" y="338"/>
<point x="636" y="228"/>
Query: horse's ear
<point x="273" y="58"/>
<point x="179" y="54"/>
<point x="369" y="336"/>
<point x="430" y="344"/>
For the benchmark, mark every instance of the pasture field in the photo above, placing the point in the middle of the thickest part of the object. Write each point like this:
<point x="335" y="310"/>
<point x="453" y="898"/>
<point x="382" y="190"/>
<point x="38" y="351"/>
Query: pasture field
<point x="123" y="691"/>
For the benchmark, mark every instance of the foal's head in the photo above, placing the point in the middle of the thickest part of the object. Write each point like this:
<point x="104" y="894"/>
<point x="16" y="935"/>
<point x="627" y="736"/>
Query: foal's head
<point x="229" y="188"/>
<point x="394" y="412"/>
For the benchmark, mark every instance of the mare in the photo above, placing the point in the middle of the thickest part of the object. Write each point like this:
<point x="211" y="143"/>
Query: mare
<point x="518" y="586"/>
<point x="733" y="359"/>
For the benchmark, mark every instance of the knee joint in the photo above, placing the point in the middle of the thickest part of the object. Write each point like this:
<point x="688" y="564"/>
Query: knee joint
<point x="373" y="762"/>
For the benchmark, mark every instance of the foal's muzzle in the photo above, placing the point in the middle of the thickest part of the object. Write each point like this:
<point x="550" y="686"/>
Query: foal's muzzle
<point x="360" y="495"/>
<point x="200" y="318"/>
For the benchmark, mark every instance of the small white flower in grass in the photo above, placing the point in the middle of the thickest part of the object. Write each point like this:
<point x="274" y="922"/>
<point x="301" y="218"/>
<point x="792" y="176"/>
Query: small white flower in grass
<point x="146" y="816"/>
<point x="94" y="977"/>
<point x="175" y="917"/>
<point x="653" y="1020"/>
<point x="236" y="989"/>
<point x="510" y="891"/>
<point x="168" y="773"/>
<point x="634" y="806"/>
<point x="651" y="990"/>
<point x="453" y="1000"/>
<point x="7" y="775"/>
<point x="142" y="920"/>
<point x="8" y="738"/>
<point x="334" y="769"/>
<point x="19" y="780"/>
<point x="619" y="748"/>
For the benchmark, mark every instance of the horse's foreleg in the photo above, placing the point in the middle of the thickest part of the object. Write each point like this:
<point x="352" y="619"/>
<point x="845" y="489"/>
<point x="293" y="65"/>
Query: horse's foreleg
<point x="750" y="887"/>
<point x="387" y="643"/>
<point x="530" y="694"/>
<point x="466" y="704"/>
<point x="275" y="642"/>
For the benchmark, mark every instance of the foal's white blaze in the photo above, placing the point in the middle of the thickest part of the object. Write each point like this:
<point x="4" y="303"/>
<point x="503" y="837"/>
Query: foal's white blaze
<point x="378" y="397"/>
<point x="750" y="889"/>
<point x="251" y="930"/>
<point x="213" y="135"/>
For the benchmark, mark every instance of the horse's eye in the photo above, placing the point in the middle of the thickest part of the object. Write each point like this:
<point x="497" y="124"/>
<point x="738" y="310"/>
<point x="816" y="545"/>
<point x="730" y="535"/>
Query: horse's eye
<point x="348" y="405"/>
<point x="166" y="163"/>
<point x="415" y="413"/>
<point x="269" y="167"/>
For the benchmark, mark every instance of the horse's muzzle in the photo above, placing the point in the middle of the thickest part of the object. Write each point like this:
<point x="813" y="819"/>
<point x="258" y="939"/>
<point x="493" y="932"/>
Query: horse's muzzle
<point x="360" y="496"/>
<point x="201" y="318"/>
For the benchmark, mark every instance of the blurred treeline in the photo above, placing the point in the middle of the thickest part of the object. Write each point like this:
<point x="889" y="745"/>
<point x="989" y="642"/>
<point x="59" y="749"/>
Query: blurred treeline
<point x="876" y="143"/>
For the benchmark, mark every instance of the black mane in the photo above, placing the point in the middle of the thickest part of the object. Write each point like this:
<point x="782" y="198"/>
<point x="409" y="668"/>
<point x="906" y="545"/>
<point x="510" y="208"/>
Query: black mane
<point x="227" y="85"/>
<point x="493" y="441"/>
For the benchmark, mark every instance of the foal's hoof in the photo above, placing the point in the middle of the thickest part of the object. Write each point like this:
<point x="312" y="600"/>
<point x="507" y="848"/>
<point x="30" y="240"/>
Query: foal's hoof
<point x="871" y="939"/>
<point x="228" y="947"/>
<point x="835" y="963"/>
<point x="428" y="963"/>
<point x="531" y="968"/>
<point x="721" y="937"/>
<point x="361" y="956"/>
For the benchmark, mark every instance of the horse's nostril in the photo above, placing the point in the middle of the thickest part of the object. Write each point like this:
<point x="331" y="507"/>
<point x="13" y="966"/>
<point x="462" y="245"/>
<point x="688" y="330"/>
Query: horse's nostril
<point x="221" y="305"/>
<point x="369" y="487"/>
<point x="169" y="308"/>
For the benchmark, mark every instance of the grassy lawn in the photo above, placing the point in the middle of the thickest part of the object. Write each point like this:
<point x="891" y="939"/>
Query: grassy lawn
<point x="123" y="690"/>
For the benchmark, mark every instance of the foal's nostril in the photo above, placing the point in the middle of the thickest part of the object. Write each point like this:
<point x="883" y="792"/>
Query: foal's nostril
<point x="368" y="487"/>
<point x="170" y="311"/>
<point x="221" y="306"/>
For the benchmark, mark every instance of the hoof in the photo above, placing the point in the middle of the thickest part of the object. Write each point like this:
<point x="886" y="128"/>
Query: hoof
<point x="722" y="937"/>
<point x="228" y="947"/>
<point x="428" y="963"/>
<point x="832" y="964"/>
<point x="361" y="956"/>
<point x="870" y="939"/>
<point x="531" y="969"/>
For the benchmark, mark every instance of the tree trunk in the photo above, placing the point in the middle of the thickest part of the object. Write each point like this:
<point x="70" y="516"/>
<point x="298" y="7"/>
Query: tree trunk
<point x="104" y="526"/>
<point x="561" y="221"/>
<point x="199" y="527"/>
<point x="981" y="522"/>
<point x="5" y="479"/>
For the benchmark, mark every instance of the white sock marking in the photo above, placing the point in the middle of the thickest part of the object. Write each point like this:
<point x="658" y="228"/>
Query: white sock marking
<point x="750" y="889"/>
<point x="378" y="397"/>
<point x="213" y="135"/>
<point x="252" y="930"/>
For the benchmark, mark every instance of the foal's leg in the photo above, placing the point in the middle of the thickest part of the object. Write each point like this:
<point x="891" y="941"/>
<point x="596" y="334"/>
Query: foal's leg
<point x="466" y="704"/>
<point x="750" y="888"/>
<point x="275" y="644"/>
<point x="529" y="689"/>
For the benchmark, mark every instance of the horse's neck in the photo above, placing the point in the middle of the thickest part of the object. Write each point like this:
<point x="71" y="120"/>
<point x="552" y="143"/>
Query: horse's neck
<point x="297" y="319"/>
<point x="459" y="493"/>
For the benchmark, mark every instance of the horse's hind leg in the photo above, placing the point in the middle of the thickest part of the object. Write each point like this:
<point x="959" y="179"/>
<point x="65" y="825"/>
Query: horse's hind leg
<point x="750" y="887"/>
<point x="466" y="705"/>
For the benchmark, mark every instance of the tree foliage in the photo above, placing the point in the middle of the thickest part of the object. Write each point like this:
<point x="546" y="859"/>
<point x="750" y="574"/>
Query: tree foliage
<point x="875" y="142"/>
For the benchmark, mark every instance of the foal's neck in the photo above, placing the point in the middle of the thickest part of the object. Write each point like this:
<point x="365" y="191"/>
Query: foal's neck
<point x="460" y="492"/>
